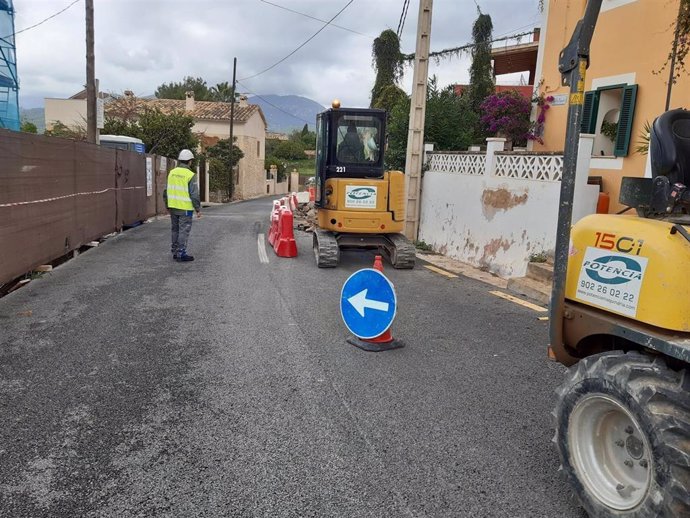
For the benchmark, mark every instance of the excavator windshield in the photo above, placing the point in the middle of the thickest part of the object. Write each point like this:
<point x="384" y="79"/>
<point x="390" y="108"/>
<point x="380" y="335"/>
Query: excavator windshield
<point x="358" y="139"/>
<point x="350" y="143"/>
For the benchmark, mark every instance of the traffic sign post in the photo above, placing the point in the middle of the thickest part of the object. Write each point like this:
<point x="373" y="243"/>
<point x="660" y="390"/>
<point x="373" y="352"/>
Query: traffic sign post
<point x="368" y="305"/>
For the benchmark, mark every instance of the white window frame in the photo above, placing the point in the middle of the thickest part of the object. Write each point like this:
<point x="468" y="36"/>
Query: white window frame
<point x="614" y="163"/>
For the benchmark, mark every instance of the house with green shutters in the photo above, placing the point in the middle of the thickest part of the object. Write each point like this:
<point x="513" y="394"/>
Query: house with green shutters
<point x="626" y="83"/>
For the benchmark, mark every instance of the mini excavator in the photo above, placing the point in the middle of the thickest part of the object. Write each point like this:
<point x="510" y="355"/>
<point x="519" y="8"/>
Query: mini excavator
<point x="359" y="204"/>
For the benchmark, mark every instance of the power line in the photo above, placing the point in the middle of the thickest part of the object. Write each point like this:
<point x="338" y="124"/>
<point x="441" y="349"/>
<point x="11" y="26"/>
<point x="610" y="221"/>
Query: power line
<point x="42" y="21"/>
<point x="326" y="24"/>
<point x="531" y="24"/>
<point x="403" y="16"/>
<point x="271" y="104"/>
<point x="455" y="50"/>
<point x="314" y="18"/>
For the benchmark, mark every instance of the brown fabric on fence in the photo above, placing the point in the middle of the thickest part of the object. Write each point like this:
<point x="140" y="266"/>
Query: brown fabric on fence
<point x="57" y="195"/>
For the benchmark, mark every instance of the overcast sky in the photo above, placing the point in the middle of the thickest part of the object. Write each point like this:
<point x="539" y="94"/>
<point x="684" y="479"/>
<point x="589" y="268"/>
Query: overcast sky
<point x="143" y="43"/>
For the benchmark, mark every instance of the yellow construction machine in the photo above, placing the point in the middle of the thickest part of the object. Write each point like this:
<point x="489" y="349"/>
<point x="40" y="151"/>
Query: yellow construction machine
<point x="620" y="318"/>
<point x="359" y="204"/>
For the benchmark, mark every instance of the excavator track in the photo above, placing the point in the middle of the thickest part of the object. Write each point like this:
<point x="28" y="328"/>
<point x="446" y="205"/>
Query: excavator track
<point x="326" y="249"/>
<point x="403" y="254"/>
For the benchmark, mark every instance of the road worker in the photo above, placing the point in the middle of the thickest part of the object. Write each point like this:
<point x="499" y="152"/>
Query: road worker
<point x="182" y="199"/>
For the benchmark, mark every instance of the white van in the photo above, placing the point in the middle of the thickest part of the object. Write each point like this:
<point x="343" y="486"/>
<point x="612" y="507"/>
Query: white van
<point x="122" y="142"/>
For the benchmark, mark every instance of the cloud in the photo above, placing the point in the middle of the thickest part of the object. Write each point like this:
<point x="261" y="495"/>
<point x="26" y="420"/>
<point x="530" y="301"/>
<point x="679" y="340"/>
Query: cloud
<point x="137" y="58"/>
<point x="143" y="43"/>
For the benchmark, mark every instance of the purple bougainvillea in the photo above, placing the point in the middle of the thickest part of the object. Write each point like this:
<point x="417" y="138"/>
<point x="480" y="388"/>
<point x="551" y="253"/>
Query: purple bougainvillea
<point x="507" y="113"/>
<point x="543" y="104"/>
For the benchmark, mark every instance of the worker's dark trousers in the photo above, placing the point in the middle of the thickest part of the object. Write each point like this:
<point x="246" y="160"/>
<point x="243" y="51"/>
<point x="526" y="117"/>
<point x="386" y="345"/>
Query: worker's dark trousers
<point x="181" y="227"/>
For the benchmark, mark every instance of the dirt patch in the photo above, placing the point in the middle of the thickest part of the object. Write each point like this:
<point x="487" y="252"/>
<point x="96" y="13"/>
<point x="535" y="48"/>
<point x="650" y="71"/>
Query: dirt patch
<point x="492" y="248"/>
<point x="494" y="200"/>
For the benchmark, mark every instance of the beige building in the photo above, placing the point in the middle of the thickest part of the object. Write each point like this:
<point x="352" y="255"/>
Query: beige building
<point x="626" y="84"/>
<point x="72" y="112"/>
<point x="211" y="124"/>
<point x="271" y="135"/>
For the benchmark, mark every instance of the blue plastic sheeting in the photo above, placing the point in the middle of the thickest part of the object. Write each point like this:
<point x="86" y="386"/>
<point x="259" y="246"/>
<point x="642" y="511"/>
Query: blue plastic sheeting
<point x="9" y="82"/>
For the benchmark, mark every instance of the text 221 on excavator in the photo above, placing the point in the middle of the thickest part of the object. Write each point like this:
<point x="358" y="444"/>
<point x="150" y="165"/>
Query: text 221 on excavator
<point x="359" y="204"/>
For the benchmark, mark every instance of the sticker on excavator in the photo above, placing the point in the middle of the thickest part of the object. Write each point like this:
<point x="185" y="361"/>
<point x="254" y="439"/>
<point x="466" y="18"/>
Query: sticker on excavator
<point x="611" y="280"/>
<point x="360" y="197"/>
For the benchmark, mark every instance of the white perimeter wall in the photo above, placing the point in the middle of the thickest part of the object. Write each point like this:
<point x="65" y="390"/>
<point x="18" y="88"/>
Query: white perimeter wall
<point x="487" y="222"/>
<point x="494" y="211"/>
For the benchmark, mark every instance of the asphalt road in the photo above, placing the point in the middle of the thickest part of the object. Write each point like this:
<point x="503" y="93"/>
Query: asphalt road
<point x="132" y="385"/>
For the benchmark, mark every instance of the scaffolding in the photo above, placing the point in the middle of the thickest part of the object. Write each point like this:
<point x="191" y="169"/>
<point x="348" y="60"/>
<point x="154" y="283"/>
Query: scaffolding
<point x="9" y="83"/>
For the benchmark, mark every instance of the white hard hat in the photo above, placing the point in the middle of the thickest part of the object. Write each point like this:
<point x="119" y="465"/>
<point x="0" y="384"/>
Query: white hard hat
<point x="186" y="155"/>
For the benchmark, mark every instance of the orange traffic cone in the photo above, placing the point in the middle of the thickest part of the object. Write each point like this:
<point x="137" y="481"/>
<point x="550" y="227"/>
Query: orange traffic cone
<point x="378" y="263"/>
<point x="383" y="342"/>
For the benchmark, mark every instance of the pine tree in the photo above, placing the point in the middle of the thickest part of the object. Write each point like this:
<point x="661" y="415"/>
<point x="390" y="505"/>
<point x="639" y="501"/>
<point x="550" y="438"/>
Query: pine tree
<point x="174" y="90"/>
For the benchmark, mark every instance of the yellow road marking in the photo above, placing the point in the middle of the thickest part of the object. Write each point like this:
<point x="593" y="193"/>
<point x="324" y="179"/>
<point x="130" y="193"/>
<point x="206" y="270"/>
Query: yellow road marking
<point x="518" y="301"/>
<point x="542" y="318"/>
<point x="442" y="272"/>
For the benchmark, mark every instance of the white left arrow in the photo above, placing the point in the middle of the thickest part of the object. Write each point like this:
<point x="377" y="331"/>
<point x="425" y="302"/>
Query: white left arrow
<point x="360" y="302"/>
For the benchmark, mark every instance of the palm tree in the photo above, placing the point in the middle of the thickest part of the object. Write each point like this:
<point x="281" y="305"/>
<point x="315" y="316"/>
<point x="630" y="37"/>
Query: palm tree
<point x="222" y="92"/>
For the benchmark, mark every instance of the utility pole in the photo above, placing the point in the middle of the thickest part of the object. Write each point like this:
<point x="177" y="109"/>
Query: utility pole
<point x="415" y="135"/>
<point x="573" y="63"/>
<point x="90" y="76"/>
<point x="232" y="122"/>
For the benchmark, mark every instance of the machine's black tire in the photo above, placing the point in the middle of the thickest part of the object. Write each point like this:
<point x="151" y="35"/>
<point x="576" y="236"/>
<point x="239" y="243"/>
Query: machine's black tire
<point x="326" y="250"/>
<point x="404" y="254"/>
<point x="658" y="400"/>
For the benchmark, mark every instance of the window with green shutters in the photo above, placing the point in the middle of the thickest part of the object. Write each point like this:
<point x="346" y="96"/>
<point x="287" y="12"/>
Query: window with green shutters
<point x="590" y="110"/>
<point x="625" y="121"/>
<point x="626" y="109"/>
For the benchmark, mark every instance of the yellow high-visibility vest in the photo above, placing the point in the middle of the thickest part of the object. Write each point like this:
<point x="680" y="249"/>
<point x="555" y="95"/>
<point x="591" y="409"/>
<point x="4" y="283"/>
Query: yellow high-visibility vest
<point x="178" y="189"/>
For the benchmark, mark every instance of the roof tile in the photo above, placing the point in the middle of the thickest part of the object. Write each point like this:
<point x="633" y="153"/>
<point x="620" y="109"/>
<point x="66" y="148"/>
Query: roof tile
<point x="206" y="110"/>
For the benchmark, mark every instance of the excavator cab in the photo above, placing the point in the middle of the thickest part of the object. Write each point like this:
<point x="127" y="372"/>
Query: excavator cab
<point x="348" y="145"/>
<point x="358" y="203"/>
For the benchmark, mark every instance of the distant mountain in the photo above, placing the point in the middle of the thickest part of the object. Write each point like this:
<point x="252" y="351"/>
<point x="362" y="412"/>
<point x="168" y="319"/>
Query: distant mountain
<point x="34" y="115"/>
<point x="292" y="111"/>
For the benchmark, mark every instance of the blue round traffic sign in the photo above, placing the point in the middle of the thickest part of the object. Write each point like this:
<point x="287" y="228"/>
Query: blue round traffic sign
<point x="368" y="303"/>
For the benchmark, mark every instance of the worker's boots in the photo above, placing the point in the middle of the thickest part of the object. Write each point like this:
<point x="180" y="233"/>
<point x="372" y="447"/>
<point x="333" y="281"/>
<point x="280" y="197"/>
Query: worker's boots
<point x="182" y="257"/>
